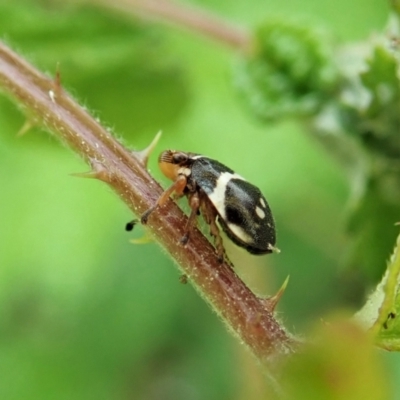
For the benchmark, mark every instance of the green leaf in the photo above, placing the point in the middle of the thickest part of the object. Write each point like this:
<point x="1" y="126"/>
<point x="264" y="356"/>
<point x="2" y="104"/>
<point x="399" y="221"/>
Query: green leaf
<point x="371" y="223"/>
<point x="372" y="118"/>
<point x="377" y="123"/>
<point x="289" y="73"/>
<point x="381" y="312"/>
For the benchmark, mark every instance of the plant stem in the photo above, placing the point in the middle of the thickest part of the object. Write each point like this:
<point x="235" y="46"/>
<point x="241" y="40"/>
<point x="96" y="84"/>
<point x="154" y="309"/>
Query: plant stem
<point x="49" y="105"/>
<point x="194" y="19"/>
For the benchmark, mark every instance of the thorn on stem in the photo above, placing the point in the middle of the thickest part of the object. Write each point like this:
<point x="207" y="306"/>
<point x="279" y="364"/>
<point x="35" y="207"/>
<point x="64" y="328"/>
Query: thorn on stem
<point x="26" y="127"/>
<point x="98" y="172"/>
<point x="143" y="155"/>
<point x="143" y="240"/>
<point x="56" y="84"/>
<point x="57" y="78"/>
<point x="270" y="303"/>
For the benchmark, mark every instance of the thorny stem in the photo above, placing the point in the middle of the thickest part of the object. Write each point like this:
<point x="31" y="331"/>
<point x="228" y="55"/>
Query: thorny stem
<point x="195" y="19"/>
<point x="46" y="102"/>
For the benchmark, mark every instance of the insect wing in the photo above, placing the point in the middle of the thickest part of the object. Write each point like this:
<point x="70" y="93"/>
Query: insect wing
<point x="244" y="213"/>
<point x="248" y="219"/>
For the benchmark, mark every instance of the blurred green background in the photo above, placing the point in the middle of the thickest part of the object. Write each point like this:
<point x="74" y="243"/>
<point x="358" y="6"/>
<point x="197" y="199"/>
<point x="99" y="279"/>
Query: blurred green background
<point x="85" y="314"/>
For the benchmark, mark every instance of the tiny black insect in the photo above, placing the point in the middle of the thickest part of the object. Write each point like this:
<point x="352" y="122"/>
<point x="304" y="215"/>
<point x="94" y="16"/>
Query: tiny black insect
<point x="219" y="194"/>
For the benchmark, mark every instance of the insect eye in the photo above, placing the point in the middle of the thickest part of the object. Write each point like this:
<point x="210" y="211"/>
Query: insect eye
<point x="179" y="158"/>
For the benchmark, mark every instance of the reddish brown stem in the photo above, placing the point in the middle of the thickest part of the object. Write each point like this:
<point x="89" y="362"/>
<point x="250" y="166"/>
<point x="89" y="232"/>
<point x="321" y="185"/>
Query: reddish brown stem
<point x="243" y="312"/>
<point x="194" y="19"/>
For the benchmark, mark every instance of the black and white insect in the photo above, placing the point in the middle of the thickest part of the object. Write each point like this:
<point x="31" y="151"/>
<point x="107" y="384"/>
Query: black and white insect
<point x="219" y="195"/>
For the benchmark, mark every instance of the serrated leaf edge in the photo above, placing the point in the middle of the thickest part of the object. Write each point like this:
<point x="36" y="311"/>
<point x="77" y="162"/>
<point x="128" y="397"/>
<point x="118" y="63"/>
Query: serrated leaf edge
<point x="381" y="303"/>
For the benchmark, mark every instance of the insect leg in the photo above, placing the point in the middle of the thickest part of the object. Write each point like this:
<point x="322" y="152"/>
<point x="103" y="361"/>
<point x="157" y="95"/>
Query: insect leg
<point x="194" y="203"/>
<point x="219" y="246"/>
<point x="178" y="187"/>
<point x="210" y="216"/>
